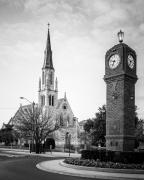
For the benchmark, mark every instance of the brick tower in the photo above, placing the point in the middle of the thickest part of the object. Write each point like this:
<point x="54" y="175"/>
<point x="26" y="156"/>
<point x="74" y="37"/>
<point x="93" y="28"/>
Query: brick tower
<point x="120" y="77"/>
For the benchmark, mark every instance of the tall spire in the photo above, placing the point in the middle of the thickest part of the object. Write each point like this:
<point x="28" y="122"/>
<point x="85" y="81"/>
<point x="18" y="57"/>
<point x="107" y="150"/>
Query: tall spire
<point x="48" y="63"/>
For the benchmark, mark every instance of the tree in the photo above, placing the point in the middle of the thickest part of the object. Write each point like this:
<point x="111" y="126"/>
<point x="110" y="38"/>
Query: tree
<point x="89" y="125"/>
<point x="36" y="124"/>
<point x="96" y="127"/>
<point x="8" y="135"/>
<point x="139" y="132"/>
<point x="99" y="127"/>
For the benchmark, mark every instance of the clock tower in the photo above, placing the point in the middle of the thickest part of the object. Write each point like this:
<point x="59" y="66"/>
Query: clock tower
<point x="120" y="77"/>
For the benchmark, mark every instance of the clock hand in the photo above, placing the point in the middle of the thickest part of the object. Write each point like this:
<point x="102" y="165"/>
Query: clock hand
<point x="113" y="62"/>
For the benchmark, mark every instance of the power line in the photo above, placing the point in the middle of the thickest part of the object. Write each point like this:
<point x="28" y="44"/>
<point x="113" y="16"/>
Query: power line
<point x="7" y="108"/>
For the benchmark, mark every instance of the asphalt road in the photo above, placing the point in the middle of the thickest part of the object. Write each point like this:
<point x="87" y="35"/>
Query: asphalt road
<point x="24" y="168"/>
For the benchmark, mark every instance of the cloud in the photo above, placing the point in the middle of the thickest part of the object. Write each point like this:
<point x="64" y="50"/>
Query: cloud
<point x="12" y="11"/>
<point x="81" y="33"/>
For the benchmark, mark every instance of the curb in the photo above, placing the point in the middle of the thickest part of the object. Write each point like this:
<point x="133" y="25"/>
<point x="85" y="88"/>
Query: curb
<point x="62" y="172"/>
<point x="108" y="170"/>
<point x="56" y="166"/>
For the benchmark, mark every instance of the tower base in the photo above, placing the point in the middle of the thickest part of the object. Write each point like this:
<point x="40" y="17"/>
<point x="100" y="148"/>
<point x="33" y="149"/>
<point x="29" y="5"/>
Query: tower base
<point x="120" y="143"/>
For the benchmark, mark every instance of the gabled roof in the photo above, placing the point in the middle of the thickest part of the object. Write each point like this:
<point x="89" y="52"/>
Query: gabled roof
<point x="24" y="108"/>
<point x="61" y="101"/>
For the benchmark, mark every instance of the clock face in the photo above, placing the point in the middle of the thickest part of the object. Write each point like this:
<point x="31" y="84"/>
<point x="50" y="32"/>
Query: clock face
<point x="114" y="61"/>
<point x="131" y="62"/>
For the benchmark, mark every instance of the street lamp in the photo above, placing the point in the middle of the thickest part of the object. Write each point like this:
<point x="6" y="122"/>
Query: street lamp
<point x="85" y="146"/>
<point x="76" y="138"/>
<point x="33" y="104"/>
<point x="69" y="139"/>
<point x="120" y="35"/>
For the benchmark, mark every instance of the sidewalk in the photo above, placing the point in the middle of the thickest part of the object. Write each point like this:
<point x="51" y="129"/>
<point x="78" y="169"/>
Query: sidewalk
<point x="46" y="154"/>
<point x="57" y="166"/>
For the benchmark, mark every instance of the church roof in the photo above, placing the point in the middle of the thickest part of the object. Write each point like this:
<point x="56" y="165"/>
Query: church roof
<point x="62" y="101"/>
<point x="17" y="114"/>
<point x="48" y="63"/>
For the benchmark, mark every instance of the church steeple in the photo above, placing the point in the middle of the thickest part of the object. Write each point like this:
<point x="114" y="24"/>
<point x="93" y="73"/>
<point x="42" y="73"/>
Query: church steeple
<point x="48" y="63"/>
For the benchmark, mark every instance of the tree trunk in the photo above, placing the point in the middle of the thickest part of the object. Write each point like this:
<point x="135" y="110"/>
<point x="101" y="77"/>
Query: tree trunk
<point x="37" y="148"/>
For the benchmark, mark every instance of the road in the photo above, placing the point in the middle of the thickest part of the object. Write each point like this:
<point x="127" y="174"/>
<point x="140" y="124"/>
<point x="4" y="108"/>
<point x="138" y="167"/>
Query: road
<point x="24" y="168"/>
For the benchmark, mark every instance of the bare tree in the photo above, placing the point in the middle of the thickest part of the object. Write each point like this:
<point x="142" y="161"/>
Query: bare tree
<point x="36" y="123"/>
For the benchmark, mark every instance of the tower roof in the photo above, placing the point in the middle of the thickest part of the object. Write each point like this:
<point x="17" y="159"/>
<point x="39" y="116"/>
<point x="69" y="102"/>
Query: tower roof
<point x="48" y="63"/>
<point x="118" y="46"/>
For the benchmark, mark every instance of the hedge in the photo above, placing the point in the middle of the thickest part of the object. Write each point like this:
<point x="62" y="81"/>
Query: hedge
<point x="113" y="156"/>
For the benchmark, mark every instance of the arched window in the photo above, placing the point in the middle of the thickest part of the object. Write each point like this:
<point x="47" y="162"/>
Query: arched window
<point x="50" y="100"/>
<point x="42" y="100"/>
<point x="65" y="107"/>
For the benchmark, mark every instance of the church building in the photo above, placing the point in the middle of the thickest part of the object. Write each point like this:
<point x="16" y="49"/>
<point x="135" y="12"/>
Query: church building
<point x="48" y="100"/>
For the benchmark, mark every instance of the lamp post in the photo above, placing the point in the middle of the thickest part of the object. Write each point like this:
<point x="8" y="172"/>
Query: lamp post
<point x="69" y="139"/>
<point x="33" y="104"/>
<point x="85" y="147"/>
<point x="76" y="138"/>
<point x="120" y="35"/>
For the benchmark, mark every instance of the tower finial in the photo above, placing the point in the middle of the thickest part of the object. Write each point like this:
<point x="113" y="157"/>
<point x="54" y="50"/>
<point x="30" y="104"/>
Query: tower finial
<point x="120" y="35"/>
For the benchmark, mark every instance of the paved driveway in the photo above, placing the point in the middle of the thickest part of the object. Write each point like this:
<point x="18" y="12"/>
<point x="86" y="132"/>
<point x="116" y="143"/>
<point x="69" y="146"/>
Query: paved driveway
<point x="24" y="168"/>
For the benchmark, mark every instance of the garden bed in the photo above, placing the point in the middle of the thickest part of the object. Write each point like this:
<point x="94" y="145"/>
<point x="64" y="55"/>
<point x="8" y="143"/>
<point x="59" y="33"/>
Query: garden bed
<point x="102" y="164"/>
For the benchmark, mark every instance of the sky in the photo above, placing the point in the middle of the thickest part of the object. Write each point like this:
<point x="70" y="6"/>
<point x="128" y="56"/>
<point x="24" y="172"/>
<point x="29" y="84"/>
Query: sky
<point x="81" y="32"/>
